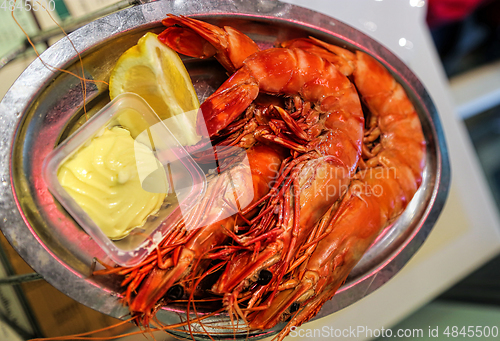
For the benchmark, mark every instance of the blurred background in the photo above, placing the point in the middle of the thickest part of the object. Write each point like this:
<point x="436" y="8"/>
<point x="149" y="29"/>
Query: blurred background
<point x="465" y="49"/>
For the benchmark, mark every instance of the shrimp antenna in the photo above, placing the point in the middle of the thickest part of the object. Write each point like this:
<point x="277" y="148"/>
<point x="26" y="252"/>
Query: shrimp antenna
<point x="82" y="79"/>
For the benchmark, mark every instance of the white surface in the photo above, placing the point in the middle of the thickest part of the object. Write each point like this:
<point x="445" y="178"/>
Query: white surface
<point x="440" y="317"/>
<point x="467" y="233"/>
<point x="477" y="90"/>
<point x="7" y="333"/>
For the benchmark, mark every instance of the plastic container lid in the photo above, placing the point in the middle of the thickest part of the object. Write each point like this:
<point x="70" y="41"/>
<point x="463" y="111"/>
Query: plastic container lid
<point x="186" y="181"/>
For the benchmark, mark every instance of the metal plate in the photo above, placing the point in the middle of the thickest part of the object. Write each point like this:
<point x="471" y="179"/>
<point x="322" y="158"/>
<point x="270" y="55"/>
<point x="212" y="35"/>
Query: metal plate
<point x="42" y="105"/>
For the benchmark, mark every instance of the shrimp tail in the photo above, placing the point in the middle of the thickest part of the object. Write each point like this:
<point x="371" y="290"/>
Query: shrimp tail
<point x="227" y="103"/>
<point x="187" y="42"/>
<point x="228" y="45"/>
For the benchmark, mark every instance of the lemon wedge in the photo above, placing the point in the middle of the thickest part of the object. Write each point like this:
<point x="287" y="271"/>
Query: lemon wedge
<point x="156" y="73"/>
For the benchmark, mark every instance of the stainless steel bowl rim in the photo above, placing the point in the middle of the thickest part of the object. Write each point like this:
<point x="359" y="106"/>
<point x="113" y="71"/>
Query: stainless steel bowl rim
<point x="20" y="97"/>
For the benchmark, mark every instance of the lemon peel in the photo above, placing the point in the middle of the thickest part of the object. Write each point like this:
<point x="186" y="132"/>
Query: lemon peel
<point x="156" y="73"/>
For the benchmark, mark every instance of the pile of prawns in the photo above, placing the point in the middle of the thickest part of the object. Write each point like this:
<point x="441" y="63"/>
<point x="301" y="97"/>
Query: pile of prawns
<point x="318" y="184"/>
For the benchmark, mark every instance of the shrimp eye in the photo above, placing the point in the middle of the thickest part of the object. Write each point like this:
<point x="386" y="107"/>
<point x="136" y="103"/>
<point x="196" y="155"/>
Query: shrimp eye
<point x="265" y="277"/>
<point x="175" y="292"/>
<point x="294" y="307"/>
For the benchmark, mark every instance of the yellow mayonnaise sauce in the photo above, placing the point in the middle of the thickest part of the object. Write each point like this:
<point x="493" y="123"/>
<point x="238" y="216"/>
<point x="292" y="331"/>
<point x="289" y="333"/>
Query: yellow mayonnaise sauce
<point x="102" y="178"/>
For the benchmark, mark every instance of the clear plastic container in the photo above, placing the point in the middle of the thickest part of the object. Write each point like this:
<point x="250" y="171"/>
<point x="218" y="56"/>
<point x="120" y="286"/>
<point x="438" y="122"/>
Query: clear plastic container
<point x="186" y="181"/>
